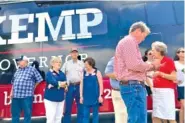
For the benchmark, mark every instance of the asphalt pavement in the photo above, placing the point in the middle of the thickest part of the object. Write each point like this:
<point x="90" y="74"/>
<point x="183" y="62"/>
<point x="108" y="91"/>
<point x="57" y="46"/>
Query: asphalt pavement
<point x="104" y="118"/>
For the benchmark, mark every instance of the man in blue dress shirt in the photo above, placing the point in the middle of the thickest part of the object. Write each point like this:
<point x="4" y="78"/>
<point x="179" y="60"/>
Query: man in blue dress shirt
<point x="119" y="105"/>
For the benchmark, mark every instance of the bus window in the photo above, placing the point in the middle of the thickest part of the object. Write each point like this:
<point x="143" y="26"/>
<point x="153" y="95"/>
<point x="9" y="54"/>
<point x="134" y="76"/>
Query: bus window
<point x="49" y="2"/>
<point x="130" y="14"/>
<point x="7" y="75"/>
<point x="158" y="13"/>
<point x="179" y="11"/>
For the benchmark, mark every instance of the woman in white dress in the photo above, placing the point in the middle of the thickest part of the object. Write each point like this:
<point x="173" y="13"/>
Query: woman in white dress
<point x="163" y="85"/>
<point x="180" y="66"/>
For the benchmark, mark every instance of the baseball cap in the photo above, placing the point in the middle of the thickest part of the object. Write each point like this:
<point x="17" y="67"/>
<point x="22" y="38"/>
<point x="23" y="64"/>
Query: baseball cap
<point x="21" y="58"/>
<point x="74" y="49"/>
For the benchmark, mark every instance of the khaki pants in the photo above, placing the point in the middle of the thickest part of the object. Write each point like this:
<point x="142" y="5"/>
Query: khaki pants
<point x="119" y="107"/>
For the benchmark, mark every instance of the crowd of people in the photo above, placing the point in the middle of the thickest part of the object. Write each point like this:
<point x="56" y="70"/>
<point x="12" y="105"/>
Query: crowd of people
<point x="131" y="77"/>
<point x="159" y="72"/>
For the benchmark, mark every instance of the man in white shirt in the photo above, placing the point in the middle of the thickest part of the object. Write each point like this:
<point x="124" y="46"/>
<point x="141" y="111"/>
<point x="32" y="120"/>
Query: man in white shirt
<point x="74" y="71"/>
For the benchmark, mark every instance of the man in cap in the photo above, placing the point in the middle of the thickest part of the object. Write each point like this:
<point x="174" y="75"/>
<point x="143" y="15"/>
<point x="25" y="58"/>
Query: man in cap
<point x="23" y="85"/>
<point x="74" y="71"/>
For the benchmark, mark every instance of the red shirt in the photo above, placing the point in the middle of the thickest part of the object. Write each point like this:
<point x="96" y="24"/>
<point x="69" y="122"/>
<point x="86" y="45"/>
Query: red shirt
<point x="128" y="63"/>
<point x="167" y="66"/>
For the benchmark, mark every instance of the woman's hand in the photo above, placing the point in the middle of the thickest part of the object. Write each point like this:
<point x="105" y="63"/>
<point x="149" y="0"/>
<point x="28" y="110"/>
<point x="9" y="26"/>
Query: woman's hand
<point x="50" y="86"/>
<point x="62" y="84"/>
<point x="179" y="82"/>
<point x="100" y="99"/>
<point x="81" y="100"/>
<point x="66" y="88"/>
<point x="157" y="73"/>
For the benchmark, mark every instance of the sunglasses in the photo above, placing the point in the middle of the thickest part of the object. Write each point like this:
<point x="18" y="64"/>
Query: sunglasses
<point x="149" y="53"/>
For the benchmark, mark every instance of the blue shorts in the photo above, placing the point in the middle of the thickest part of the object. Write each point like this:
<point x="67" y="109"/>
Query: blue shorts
<point x="180" y="92"/>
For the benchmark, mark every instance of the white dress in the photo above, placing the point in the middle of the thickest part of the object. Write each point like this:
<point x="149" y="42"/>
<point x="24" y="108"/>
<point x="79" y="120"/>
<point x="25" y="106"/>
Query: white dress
<point x="163" y="103"/>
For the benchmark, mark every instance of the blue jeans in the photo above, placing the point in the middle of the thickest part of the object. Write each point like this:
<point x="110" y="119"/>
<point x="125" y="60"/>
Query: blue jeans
<point x="134" y="96"/>
<point x="95" y="109"/>
<point x="73" y="93"/>
<point x="21" y="104"/>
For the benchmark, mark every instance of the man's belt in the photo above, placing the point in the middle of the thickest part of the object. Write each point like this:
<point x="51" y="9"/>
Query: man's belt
<point x="74" y="83"/>
<point x="115" y="89"/>
<point x="132" y="82"/>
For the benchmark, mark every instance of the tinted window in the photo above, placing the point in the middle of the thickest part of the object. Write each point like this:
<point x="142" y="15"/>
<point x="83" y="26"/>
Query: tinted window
<point x="7" y="75"/>
<point x="160" y="13"/>
<point x="130" y="14"/>
<point x="179" y="11"/>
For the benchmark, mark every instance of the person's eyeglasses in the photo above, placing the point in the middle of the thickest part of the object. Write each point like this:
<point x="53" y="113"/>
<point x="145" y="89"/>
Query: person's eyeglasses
<point x="149" y="54"/>
<point x="180" y="51"/>
<point x="58" y="62"/>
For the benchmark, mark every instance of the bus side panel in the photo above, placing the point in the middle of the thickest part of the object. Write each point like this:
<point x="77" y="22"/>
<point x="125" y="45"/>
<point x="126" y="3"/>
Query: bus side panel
<point x="5" y="101"/>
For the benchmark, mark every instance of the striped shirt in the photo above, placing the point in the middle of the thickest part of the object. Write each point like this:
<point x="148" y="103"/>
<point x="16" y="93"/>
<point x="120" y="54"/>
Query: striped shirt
<point x="24" y="82"/>
<point x="128" y="63"/>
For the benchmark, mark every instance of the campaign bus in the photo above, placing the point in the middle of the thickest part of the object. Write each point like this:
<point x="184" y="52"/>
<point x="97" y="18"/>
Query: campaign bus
<point x="43" y="29"/>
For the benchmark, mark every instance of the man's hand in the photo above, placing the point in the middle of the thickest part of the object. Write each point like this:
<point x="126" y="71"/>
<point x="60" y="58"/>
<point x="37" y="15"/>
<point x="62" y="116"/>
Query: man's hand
<point x="111" y="75"/>
<point x="10" y="96"/>
<point x="81" y="100"/>
<point x="11" y="93"/>
<point x="156" y="63"/>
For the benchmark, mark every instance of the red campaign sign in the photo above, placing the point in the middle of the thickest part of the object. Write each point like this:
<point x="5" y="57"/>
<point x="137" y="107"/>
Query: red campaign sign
<point x="38" y="103"/>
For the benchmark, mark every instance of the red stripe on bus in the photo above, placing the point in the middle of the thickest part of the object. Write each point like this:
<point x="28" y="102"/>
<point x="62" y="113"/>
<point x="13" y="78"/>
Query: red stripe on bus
<point x="44" y="49"/>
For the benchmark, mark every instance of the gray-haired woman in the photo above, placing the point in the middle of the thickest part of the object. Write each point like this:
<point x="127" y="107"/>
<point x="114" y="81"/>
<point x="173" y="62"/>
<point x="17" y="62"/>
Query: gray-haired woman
<point x="163" y="80"/>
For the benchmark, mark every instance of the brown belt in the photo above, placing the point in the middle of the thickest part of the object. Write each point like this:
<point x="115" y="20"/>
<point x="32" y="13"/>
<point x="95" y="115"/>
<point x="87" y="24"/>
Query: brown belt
<point x="132" y="82"/>
<point x="74" y="83"/>
<point x="115" y="89"/>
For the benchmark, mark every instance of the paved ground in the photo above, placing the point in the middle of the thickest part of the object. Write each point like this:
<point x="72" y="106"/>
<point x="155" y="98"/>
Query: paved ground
<point x="106" y="118"/>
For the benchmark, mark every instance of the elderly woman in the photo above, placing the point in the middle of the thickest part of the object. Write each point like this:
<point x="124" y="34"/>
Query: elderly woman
<point x="163" y="80"/>
<point x="91" y="90"/>
<point x="180" y="66"/>
<point x="54" y="92"/>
